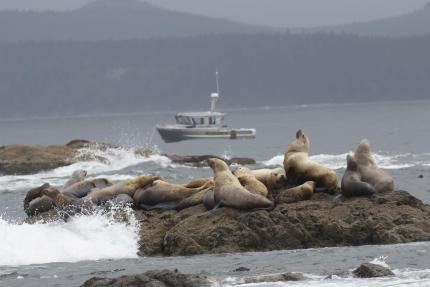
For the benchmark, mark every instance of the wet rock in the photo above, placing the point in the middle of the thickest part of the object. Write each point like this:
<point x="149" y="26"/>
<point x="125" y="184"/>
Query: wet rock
<point x="241" y="269"/>
<point x="201" y="160"/>
<point x="395" y="217"/>
<point x="290" y="276"/>
<point x="369" y="270"/>
<point x="157" y="278"/>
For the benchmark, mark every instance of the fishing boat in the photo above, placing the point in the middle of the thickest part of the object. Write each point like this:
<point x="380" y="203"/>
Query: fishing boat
<point x="203" y="125"/>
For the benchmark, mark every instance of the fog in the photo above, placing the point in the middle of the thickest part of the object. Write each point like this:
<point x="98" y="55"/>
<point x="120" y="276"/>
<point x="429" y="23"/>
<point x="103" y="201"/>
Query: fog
<point x="285" y="13"/>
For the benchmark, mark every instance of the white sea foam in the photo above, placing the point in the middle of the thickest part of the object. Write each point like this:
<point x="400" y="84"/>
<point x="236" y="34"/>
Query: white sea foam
<point x="114" y="160"/>
<point x="337" y="161"/>
<point x="92" y="237"/>
<point x="403" y="278"/>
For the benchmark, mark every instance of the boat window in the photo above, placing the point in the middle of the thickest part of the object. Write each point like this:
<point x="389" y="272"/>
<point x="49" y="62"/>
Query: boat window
<point x="212" y="120"/>
<point x="218" y="120"/>
<point x="202" y="121"/>
<point x="183" y="120"/>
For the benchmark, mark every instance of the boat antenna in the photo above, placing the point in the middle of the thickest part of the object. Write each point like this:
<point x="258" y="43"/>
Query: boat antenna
<point x="215" y="96"/>
<point x="217" y="81"/>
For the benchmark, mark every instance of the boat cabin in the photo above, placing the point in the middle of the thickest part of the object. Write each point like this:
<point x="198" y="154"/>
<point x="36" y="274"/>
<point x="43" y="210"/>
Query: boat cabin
<point x="204" y="119"/>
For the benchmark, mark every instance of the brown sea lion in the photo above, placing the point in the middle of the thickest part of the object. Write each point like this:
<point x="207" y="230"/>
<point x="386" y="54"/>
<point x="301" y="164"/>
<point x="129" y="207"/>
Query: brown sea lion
<point x="194" y="199"/>
<point x="199" y="182"/>
<point x="248" y="180"/>
<point x="98" y="196"/>
<point x="352" y="185"/>
<point x="272" y="178"/>
<point x="60" y="200"/>
<point x="369" y="171"/>
<point x="160" y="192"/>
<point x="229" y="192"/>
<point x="77" y="176"/>
<point x="33" y="194"/>
<point x="299" y="168"/>
<point x="296" y="194"/>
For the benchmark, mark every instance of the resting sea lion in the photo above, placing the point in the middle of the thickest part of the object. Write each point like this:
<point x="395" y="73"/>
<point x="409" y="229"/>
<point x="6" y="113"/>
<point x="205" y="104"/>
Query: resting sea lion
<point x="248" y="180"/>
<point x="369" y="171"/>
<point x="82" y="188"/>
<point x="352" y="185"/>
<point x="296" y="194"/>
<point x="33" y="194"/>
<point x="60" y="200"/>
<point x="199" y="182"/>
<point x="299" y="168"/>
<point x="98" y="196"/>
<point x="161" y="192"/>
<point x="77" y="176"/>
<point x="194" y="199"/>
<point x="272" y="178"/>
<point x="229" y="192"/>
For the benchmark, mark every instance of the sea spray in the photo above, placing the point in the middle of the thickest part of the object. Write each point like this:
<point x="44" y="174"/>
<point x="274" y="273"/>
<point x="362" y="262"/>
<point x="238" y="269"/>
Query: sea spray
<point x="84" y="237"/>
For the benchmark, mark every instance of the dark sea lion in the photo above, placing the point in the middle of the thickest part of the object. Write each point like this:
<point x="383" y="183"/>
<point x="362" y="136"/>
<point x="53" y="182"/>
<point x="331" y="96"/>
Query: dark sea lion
<point x="77" y="176"/>
<point x="369" y="171"/>
<point x="101" y="182"/>
<point x="229" y="192"/>
<point x="160" y="192"/>
<point x="299" y="168"/>
<point x="352" y="185"/>
<point x="33" y="194"/>
<point x="99" y="196"/>
<point x="39" y="205"/>
<point x="296" y="194"/>
<point x="272" y="178"/>
<point x="79" y="189"/>
<point x="248" y="180"/>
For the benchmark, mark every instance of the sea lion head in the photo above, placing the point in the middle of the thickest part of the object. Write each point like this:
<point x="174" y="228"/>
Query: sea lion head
<point x="80" y="173"/>
<point x="217" y="164"/>
<point x="351" y="164"/>
<point x="311" y="184"/>
<point x="242" y="171"/>
<point x="363" y="154"/>
<point x="300" y="144"/>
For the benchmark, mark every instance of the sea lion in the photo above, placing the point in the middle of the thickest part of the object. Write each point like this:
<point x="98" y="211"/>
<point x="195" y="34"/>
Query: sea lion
<point x="351" y="184"/>
<point x="59" y="199"/>
<point x="199" y="182"/>
<point x="82" y="188"/>
<point x="77" y="176"/>
<point x="369" y="171"/>
<point x="248" y="180"/>
<point x="296" y="194"/>
<point x="229" y="192"/>
<point x="161" y="192"/>
<point x="194" y="199"/>
<point x="99" y="196"/>
<point x="39" y="205"/>
<point x="299" y="168"/>
<point x="272" y="178"/>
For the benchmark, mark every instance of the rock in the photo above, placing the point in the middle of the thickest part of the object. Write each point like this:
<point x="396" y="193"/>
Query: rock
<point x="144" y="152"/>
<point x="157" y="278"/>
<point x="391" y="218"/>
<point x="241" y="269"/>
<point x="290" y="276"/>
<point x="369" y="270"/>
<point x="200" y="160"/>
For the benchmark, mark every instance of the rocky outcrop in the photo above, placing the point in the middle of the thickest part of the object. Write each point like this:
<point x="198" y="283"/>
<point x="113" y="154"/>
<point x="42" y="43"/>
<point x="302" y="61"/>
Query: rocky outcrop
<point x="369" y="270"/>
<point x="323" y="221"/>
<point x="163" y="278"/>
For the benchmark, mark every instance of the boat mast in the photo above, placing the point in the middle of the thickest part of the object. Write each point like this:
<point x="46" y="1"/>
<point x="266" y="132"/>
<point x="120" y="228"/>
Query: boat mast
<point x="215" y="96"/>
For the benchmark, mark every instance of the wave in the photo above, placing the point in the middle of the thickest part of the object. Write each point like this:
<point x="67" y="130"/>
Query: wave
<point x="108" y="162"/>
<point x="84" y="237"/>
<point x="338" y="161"/>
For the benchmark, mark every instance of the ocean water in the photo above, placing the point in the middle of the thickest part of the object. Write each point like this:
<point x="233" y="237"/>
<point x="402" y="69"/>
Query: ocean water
<point x="66" y="254"/>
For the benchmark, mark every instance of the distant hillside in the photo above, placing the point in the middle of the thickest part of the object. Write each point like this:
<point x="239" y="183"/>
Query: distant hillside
<point x="111" y="20"/>
<point x="178" y="73"/>
<point x="413" y="24"/>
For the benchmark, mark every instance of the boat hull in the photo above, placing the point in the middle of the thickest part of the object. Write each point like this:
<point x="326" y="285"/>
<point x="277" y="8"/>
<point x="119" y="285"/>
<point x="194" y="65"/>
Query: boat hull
<point x="172" y="134"/>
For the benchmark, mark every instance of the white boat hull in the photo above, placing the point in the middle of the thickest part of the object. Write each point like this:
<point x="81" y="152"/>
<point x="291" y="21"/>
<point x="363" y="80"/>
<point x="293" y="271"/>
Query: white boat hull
<point x="175" y="134"/>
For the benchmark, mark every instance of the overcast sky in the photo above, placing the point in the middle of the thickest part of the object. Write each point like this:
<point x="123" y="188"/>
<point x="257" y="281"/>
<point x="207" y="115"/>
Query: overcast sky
<point x="285" y="13"/>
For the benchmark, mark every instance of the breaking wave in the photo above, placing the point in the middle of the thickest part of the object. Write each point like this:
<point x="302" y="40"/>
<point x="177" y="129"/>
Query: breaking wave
<point x="84" y="237"/>
<point x="338" y="161"/>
